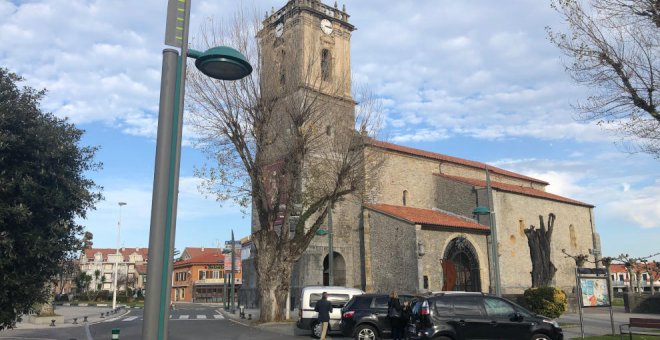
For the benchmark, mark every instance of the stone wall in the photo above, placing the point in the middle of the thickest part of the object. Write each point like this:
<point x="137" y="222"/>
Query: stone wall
<point x="515" y="213"/>
<point x="393" y="254"/>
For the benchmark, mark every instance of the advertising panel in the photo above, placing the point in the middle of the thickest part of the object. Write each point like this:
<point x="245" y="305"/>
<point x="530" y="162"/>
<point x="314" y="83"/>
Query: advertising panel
<point x="594" y="292"/>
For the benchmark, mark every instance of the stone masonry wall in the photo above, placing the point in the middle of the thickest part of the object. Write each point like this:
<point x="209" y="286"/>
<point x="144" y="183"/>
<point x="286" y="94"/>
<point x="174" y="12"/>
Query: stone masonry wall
<point x="393" y="254"/>
<point x="572" y="231"/>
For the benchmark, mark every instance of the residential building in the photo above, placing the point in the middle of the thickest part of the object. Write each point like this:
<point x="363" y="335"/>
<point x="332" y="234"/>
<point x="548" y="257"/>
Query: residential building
<point x="650" y="277"/>
<point x="203" y="274"/>
<point x="131" y="270"/>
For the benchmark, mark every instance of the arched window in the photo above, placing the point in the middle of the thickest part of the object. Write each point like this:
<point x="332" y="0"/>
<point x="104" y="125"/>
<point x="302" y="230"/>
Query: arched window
<point x="326" y="64"/>
<point x="405" y="197"/>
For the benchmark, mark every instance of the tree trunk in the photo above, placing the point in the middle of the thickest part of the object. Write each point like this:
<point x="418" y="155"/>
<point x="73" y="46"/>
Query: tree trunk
<point x="539" y="240"/>
<point x="274" y="268"/>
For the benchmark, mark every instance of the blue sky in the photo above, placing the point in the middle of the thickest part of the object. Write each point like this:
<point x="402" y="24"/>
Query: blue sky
<point x="473" y="79"/>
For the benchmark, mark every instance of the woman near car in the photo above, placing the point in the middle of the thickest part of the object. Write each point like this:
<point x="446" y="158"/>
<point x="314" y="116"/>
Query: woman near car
<point x="394" y="313"/>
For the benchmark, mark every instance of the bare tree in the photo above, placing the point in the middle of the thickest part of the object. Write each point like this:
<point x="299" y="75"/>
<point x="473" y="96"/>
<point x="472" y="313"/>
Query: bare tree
<point x="281" y="145"/>
<point x="539" y="241"/>
<point x="613" y="47"/>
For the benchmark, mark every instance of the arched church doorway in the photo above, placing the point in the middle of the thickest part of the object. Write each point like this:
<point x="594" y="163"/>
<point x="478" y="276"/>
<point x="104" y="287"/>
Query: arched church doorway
<point x="460" y="267"/>
<point x="339" y="273"/>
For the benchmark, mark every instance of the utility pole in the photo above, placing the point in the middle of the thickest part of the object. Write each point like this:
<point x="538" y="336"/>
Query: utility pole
<point x="233" y="271"/>
<point x="331" y="252"/>
<point x="116" y="268"/>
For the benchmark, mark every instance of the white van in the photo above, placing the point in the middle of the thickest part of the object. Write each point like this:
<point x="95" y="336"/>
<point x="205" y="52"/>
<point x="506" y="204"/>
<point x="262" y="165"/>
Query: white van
<point x="338" y="296"/>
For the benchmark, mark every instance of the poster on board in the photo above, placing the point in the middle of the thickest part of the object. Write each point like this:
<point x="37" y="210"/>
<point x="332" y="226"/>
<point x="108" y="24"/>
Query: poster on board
<point x="594" y="292"/>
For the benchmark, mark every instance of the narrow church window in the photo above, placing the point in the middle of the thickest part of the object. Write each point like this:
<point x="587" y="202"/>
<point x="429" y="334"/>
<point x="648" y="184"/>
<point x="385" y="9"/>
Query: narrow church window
<point x="426" y="282"/>
<point x="405" y="197"/>
<point x="325" y="64"/>
<point x="282" y="70"/>
<point x="328" y="130"/>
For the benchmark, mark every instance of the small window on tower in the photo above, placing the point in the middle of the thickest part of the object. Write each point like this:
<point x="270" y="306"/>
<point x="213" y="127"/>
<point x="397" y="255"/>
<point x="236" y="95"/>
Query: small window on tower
<point x="426" y="282"/>
<point x="326" y="64"/>
<point x="282" y="69"/>
<point x="405" y="197"/>
<point x="328" y="130"/>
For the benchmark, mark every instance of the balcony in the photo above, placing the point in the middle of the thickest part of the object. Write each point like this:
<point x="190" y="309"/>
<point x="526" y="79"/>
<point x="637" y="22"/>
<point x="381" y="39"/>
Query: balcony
<point x="208" y="282"/>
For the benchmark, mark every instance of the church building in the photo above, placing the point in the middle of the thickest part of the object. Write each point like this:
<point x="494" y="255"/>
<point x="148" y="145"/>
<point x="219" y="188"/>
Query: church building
<point x="433" y="222"/>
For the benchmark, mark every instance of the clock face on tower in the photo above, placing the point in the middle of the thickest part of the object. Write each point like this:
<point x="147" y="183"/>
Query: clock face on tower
<point x="326" y="26"/>
<point x="279" y="29"/>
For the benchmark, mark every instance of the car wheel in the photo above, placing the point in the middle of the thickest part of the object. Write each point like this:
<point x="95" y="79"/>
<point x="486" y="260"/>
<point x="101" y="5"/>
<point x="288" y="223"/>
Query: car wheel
<point x="540" y="337"/>
<point x="317" y="328"/>
<point x="366" y="332"/>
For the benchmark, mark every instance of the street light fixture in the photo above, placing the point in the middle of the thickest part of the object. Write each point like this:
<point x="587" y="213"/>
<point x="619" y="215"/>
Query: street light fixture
<point x="331" y="253"/>
<point x="222" y="63"/>
<point x="495" y="262"/>
<point x="116" y="271"/>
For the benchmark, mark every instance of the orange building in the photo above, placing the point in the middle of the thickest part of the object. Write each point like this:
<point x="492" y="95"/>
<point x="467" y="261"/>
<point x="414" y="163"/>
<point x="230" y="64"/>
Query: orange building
<point x="202" y="273"/>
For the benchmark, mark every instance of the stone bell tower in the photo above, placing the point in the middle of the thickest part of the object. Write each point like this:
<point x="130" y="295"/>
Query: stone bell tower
<point x="305" y="48"/>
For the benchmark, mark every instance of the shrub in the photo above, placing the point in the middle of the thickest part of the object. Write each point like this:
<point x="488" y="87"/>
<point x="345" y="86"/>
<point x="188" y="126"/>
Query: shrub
<point x="547" y="301"/>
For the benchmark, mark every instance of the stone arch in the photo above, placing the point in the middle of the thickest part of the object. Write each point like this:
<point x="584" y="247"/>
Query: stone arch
<point x="339" y="272"/>
<point x="460" y="265"/>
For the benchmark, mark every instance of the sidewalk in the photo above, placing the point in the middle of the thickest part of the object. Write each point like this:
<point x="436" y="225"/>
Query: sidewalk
<point x="93" y="315"/>
<point x="285" y="327"/>
<point x="596" y="321"/>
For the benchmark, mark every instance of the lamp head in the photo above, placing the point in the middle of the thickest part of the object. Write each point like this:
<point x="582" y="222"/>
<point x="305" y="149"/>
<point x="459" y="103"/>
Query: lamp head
<point x="122" y="203"/>
<point x="321" y="232"/>
<point x="222" y="62"/>
<point x="481" y="211"/>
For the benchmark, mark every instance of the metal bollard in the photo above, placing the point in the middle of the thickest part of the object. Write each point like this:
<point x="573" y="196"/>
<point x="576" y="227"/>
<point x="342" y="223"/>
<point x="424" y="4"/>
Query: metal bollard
<point x="249" y="316"/>
<point x="102" y="315"/>
<point x="52" y="323"/>
<point x="85" y="319"/>
<point x="75" y="321"/>
<point x="115" y="333"/>
<point x="107" y="313"/>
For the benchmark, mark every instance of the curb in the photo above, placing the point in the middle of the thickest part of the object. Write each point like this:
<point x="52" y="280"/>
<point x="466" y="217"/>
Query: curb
<point x="94" y="305"/>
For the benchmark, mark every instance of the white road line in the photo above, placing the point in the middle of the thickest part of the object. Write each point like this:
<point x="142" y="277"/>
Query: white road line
<point x="201" y="316"/>
<point x="131" y="318"/>
<point x="218" y="316"/>
<point x="183" y="317"/>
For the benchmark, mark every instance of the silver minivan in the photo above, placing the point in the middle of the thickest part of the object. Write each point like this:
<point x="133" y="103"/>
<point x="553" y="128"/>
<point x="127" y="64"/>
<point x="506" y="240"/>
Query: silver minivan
<point x="338" y="296"/>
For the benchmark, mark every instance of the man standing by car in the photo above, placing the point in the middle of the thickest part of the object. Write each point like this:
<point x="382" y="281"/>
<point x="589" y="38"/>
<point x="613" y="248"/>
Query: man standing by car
<point x="324" y="308"/>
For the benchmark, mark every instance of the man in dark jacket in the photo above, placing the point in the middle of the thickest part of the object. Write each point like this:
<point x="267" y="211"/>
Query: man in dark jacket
<point x="324" y="308"/>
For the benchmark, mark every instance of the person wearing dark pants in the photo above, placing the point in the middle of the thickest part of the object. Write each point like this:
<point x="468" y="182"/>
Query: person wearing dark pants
<point x="394" y="314"/>
<point x="324" y="308"/>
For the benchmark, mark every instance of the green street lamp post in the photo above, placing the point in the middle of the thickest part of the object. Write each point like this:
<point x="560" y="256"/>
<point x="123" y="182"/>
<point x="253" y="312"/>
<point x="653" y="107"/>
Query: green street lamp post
<point x="331" y="252"/>
<point x="479" y="211"/>
<point x="222" y="63"/>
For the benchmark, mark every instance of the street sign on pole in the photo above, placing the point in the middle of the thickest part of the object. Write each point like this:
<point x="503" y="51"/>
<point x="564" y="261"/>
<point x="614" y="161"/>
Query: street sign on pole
<point x="176" y="19"/>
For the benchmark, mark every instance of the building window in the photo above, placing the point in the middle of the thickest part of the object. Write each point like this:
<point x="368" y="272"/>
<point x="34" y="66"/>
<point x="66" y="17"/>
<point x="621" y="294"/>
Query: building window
<point x="282" y="68"/>
<point x="326" y="64"/>
<point x="202" y="275"/>
<point x="405" y="197"/>
<point x="426" y="282"/>
<point x="216" y="274"/>
<point x="328" y="130"/>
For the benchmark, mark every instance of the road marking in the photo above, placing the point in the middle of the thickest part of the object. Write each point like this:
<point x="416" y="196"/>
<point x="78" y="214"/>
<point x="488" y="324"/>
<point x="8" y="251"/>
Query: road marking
<point x="183" y="317"/>
<point x="131" y="318"/>
<point x="201" y="316"/>
<point x="218" y="316"/>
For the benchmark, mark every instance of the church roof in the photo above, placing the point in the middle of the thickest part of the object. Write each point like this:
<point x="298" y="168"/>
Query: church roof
<point x="426" y="216"/>
<point x="516" y="189"/>
<point x="451" y="159"/>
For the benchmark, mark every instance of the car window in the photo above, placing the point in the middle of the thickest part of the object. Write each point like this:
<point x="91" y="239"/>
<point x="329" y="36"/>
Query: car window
<point x="416" y="306"/>
<point x="443" y="307"/>
<point x="362" y="303"/>
<point x="381" y="301"/>
<point x="498" y="308"/>
<point x="337" y="300"/>
<point x="468" y="305"/>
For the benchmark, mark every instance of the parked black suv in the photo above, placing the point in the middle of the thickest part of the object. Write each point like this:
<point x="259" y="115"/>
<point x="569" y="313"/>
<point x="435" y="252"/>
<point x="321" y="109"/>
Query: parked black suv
<point x="365" y="316"/>
<point x="463" y="315"/>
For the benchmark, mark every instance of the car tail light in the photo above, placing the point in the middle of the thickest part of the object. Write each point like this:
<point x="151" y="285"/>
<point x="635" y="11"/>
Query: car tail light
<point x="348" y="315"/>
<point x="425" y="308"/>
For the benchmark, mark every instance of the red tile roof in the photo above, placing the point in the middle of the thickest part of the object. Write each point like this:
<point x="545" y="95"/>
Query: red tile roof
<point x="451" y="159"/>
<point x="197" y="256"/>
<point x="426" y="216"/>
<point x="126" y="252"/>
<point x="516" y="189"/>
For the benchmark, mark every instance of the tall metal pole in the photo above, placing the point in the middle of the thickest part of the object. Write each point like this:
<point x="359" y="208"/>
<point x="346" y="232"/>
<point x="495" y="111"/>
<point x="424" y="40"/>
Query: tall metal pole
<point x="156" y="309"/>
<point x="493" y="235"/>
<point x="233" y="272"/>
<point x="116" y="268"/>
<point x="331" y="252"/>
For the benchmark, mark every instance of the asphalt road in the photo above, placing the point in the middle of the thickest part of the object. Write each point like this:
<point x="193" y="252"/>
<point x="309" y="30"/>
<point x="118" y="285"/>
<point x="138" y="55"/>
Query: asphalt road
<point x="186" y="322"/>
